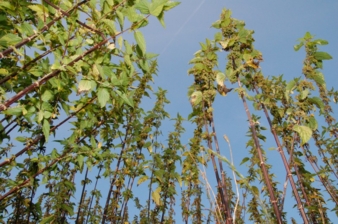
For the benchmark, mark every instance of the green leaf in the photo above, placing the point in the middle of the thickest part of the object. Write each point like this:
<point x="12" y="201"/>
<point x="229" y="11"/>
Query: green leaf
<point x="304" y="133"/>
<point x="170" y="4"/>
<point x="244" y="160"/>
<point x="103" y="96"/>
<point x="318" y="102"/>
<point x="320" y="55"/>
<point x="156" y="7"/>
<point x="27" y="29"/>
<point x="46" y="129"/>
<point x="21" y="139"/>
<point x="220" y="77"/>
<point x="143" y="6"/>
<point x="313" y="123"/>
<point x="80" y="160"/>
<point x="84" y="86"/>
<point x="304" y="94"/>
<point x="196" y="98"/>
<point x="47" y="219"/>
<point x="47" y="95"/>
<point x="125" y="98"/>
<point x="298" y="46"/>
<point x="140" y="41"/>
<point x="14" y="111"/>
<point x="9" y="39"/>
<point x="319" y="79"/>
<point x="321" y="42"/>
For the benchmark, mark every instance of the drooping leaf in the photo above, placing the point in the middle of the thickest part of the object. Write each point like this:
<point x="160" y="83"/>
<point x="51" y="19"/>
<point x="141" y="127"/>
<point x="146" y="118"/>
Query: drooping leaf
<point x="196" y="98"/>
<point x="46" y="129"/>
<point x="313" y="123"/>
<point x="143" y="6"/>
<point x="156" y="7"/>
<point x="156" y="196"/>
<point x="140" y="41"/>
<point x="318" y="102"/>
<point x="142" y="179"/>
<point x="220" y="77"/>
<point x="103" y="96"/>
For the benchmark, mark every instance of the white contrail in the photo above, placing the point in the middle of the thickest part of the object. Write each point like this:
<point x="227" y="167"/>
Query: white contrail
<point x="183" y="25"/>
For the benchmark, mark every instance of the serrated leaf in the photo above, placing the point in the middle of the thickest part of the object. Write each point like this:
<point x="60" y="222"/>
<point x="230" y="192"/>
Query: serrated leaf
<point x="156" y="7"/>
<point x="9" y="39"/>
<point x="196" y="98"/>
<point x="156" y="196"/>
<point x="46" y="129"/>
<point x="322" y="55"/>
<point x="220" y="77"/>
<point x="143" y="6"/>
<point x="103" y="96"/>
<point x="27" y="28"/>
<point x="304" y="133"/>
<point x="47" y="95"/>
<point x="140" y="41"/>
<point x="125" y="98"/>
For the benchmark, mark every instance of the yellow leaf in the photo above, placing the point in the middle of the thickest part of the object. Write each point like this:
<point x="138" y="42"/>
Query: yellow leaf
<point x="252" y="64"/>
<point x="156" y="196"/>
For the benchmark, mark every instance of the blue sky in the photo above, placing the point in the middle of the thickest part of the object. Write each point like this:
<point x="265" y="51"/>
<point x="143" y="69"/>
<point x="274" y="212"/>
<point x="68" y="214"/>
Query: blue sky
<point x="277" y="26"/>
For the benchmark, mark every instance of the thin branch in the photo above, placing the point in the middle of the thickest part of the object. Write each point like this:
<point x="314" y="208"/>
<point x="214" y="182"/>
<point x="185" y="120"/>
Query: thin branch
<point x="38" y="138"/>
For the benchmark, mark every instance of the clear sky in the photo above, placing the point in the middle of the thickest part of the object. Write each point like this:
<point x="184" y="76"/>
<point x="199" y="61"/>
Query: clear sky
<point x="277" y="26"/>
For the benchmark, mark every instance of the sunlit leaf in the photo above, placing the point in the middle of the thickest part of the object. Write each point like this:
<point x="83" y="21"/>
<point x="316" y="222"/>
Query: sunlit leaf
<point x="140" y="41"/>
<point x="322" y="55"/>
<point x="220" y="77"/>
<point x="142" y="179"/>
<point x="304" y="133"/>
<point x="84" y="86"/>
<point x="46" y="129"/>
<point x="196" y="98"/>
<point x="103" y="96"/>
<point x="156" y="196"/>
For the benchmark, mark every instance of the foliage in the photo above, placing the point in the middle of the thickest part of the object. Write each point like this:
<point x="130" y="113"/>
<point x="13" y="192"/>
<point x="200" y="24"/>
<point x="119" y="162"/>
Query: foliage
<point x="78" y="144"/>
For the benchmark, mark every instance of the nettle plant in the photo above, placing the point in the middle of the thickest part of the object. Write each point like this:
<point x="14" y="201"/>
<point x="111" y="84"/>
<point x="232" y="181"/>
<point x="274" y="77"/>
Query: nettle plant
<point x="73" y="75"/>
<point x="296" y="111"/>
<point x="77" y="143"/>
